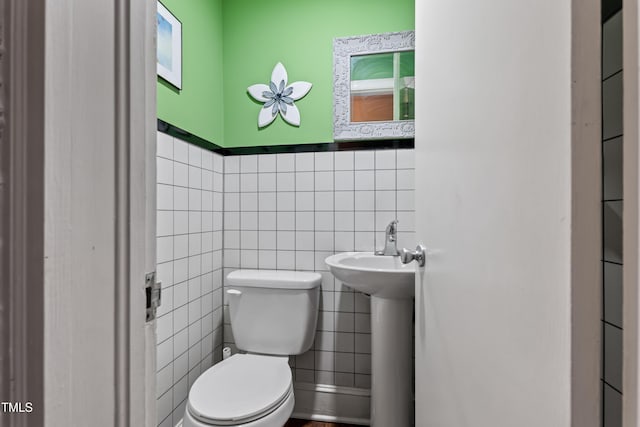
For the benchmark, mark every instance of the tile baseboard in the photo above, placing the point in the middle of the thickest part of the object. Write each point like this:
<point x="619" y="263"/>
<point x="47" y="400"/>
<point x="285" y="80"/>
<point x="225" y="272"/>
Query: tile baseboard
<point x="329" y="403"/>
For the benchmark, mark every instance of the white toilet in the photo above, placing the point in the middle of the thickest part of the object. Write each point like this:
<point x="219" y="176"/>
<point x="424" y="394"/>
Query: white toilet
<point x="273" y="315"/>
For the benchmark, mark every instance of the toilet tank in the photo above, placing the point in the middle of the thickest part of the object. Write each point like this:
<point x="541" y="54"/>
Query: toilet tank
<point x="273" y="311"/>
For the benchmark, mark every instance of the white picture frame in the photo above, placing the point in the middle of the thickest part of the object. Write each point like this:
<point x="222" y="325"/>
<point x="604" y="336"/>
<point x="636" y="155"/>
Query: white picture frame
<point x="169" y="46"/>
<point x="343" y="49"/>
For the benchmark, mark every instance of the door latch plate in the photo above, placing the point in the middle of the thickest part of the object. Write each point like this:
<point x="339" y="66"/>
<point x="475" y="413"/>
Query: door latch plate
<point x="153" y="292"/>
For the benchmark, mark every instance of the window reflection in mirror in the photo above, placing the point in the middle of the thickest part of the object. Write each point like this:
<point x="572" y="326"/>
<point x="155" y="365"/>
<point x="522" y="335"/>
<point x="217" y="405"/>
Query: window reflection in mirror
<point x="382" y="86"/>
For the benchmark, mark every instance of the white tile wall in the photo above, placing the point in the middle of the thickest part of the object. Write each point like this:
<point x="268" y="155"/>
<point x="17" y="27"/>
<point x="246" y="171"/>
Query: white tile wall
<point x="613" y="293"/>
<point x="612" y="207"/>
<point x="612" y="46"/>
<point x="613" y="356"/>
<point x="291" y="211"/>
<point x="612" y="407"/>
<point x="612" y="106"/>
<point x="286" y="211"/>
<point x="612" y="169"/>
<point x="189" y="256"/>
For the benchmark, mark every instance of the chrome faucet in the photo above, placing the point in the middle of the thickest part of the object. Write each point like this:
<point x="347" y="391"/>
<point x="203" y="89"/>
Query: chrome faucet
<point x="390" y="240"/>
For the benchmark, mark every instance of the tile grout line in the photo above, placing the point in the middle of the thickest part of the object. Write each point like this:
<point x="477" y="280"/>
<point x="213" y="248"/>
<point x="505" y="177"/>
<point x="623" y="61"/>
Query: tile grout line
<point x="295" y="209"/>
<point x="173" y="373"/>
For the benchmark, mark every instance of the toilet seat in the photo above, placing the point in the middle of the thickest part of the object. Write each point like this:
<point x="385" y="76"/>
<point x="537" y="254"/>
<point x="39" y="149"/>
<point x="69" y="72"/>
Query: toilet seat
<point x="240" y="389"/>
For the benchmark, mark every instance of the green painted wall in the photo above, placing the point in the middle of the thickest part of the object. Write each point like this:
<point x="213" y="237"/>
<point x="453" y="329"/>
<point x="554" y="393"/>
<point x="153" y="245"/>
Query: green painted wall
<point x="198" y="107"/>
<point x="229" y="45"/>
<point x="299" y="33"/>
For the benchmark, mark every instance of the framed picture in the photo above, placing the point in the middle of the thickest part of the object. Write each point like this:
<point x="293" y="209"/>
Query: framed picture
<point x="169" y="54"/>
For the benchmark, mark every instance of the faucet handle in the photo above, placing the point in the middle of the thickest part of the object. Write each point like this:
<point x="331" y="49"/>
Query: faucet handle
<point x="393" y="226"/>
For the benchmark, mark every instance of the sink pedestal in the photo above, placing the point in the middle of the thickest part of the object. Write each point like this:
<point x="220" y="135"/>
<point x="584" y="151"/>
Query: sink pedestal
<point x="391" y="285"/>
<point x="391" y="362"/>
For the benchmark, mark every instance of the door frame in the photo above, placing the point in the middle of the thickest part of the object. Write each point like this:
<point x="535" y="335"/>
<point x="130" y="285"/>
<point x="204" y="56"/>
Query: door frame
<point x="136" y="135"/>
<point x="35" y="293"/>
<point x="631" y="212"/>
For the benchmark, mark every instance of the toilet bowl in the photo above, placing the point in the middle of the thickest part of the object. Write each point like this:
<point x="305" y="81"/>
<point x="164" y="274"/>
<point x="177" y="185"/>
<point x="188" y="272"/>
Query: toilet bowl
<point x="273" y="315"/>
<point x="243" y="390"/>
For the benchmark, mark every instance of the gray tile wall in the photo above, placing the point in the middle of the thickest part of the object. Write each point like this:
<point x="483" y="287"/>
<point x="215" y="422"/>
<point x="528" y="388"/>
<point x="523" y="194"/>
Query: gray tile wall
<point x="291" y="211"/>
<point x="189" y="256"/>
<point x="612" y="205"/>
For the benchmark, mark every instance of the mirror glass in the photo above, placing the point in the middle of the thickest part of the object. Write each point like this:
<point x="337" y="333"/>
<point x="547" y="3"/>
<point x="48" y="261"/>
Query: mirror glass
<point x="374" y="86"/>
<point x="382" y="86"/>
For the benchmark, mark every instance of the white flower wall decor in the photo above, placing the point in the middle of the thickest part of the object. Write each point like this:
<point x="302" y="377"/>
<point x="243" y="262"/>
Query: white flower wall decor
<point x="278" y="97"/>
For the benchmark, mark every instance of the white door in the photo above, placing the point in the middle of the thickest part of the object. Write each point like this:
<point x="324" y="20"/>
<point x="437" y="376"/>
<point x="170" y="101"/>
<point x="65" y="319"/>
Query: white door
<point x="494" y="206"/>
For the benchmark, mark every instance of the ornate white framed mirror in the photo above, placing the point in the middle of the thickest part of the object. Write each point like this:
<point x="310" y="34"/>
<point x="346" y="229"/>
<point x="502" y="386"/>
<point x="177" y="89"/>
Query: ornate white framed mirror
<point x="374" y="85"/>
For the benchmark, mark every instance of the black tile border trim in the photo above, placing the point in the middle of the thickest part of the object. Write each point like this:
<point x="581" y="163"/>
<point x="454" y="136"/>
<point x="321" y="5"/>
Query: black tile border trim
<point x="377" y="144"/>
<point x="610" y="8"/>
<point x="177" y="132"/>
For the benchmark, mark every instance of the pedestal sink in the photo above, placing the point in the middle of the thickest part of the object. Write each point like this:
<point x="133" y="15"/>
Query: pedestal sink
<point x="391" y="286"/>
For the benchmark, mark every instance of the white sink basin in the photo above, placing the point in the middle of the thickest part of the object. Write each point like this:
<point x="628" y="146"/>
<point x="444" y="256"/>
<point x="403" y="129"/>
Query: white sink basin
<point x="376" y="275"/>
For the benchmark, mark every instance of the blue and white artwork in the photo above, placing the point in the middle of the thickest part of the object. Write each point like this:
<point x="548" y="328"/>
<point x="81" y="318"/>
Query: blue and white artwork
<point x="164" y="42"/>
<point x="169" y="53"/>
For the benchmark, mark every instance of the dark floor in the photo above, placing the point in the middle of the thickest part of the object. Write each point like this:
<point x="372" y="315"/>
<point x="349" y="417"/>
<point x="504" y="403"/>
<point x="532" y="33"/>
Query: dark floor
<point x="304" y="423"/>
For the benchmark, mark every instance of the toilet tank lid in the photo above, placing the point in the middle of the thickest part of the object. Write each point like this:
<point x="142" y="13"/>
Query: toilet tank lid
<point x="275" y="279"/>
